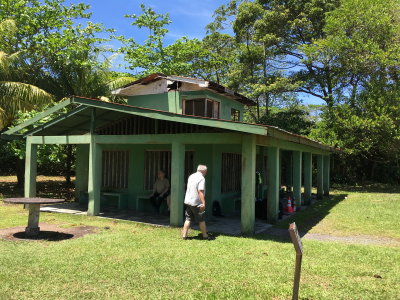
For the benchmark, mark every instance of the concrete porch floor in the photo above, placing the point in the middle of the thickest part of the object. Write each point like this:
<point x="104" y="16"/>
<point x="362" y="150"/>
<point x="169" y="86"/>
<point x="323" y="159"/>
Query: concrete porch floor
<point x="222" y="225"/>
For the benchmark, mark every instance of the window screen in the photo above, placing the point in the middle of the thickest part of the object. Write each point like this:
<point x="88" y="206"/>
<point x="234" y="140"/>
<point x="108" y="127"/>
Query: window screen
<point x="115" y="169"/>
<point x="199" y="107"/>
<point x="161" y="160"/>
<point x="202" y="107"/>
<point x="235" y="115"/>
<point x="231" y="172"/>
<point x="154" y="162"/>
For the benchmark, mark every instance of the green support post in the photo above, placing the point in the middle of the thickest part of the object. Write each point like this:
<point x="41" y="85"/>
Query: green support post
<point x="94" y="182"/>
<point x="177" y="183"/>
<point x="273" y="178"/>
<point x="248" y="184"/>
<point x="213" y="179"/>
<point x="30" y="169"/>
<point x="280" y="167"/>
<point x="81" y="169"/>
<point x="307" y="177"/>
<point x="263" y="152"/>
<point x="320" y="176"/>
<point x="289" y="173"/>
<point x="297" y="162"/>
<point x="326" y="174"/>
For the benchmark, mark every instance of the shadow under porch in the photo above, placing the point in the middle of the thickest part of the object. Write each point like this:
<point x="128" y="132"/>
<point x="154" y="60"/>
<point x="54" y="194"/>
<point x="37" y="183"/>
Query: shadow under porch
<point x="130" y="170"/>
<point x="207" y="149"/>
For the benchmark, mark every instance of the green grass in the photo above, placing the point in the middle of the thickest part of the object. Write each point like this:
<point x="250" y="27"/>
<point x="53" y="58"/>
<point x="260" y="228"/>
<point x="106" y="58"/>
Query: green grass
<point x="134" y="261"/>
<point x="372" y="210"/>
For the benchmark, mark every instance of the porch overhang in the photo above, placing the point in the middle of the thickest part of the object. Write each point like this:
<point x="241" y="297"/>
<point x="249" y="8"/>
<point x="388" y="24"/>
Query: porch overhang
<point x="79" y="116"/>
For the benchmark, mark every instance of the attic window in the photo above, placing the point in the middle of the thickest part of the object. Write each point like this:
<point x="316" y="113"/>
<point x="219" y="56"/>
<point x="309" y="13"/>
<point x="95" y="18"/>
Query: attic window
<point x="235" y="115"/>
<point x="201" y="107"/>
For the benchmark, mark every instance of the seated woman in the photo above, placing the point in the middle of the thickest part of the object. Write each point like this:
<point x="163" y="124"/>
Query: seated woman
<point x="160" y="190"/>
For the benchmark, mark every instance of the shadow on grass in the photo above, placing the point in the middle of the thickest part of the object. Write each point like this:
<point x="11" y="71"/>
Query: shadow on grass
<point x="212" y="237"/>
<point x="50" y="236"/>
<point x="370" y="188"/>
<point x="305" y="219"/>
<point x="46" y="189"/>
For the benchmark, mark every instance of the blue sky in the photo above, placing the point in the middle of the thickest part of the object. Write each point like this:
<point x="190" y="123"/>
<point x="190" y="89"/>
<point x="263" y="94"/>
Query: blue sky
<point x="189" y="18"/>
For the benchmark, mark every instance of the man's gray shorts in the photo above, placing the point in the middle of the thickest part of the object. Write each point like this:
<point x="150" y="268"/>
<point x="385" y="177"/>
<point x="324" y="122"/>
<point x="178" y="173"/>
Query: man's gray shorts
<point x="193" y="213"/>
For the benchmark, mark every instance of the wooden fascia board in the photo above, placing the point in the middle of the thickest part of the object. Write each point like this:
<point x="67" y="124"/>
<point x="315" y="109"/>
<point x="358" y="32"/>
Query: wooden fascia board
<point x="60" y="140"/>
<point x="38" y="117"/>
<point x="185" y="138"/>
<point x="269" y="141"/>
<point x="283" y="135"/>
<point x="54" y="121"/>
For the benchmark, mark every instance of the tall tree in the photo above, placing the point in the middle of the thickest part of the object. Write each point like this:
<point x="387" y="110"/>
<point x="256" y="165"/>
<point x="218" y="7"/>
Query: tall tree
<point x="362" y="41"/>
<point x="258" y="70"/>
<point x="186" y="57"/>
<point x="16" y="95"/>
<point x="275" y="32"/>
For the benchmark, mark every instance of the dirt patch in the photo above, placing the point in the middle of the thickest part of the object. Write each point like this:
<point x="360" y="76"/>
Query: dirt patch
<point x="48" y="232"/>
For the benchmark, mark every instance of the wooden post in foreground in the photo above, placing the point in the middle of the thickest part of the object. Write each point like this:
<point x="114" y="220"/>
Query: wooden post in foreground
<point x="298" y="246"/>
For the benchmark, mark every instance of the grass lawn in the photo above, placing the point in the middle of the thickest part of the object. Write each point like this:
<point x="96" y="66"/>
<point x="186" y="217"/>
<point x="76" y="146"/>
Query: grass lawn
<point x="126" y="260"/>
<point x="372" y="210"/>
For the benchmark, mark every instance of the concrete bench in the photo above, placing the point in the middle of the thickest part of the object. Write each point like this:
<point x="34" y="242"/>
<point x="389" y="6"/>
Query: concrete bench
<point x="120" y="199"/>
<point x="230" y="205"/>
<point x="143" y="203"/>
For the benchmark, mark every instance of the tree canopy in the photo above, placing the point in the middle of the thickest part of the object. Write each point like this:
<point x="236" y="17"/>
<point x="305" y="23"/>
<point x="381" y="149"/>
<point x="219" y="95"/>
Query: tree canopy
<point x="343" y="52"/>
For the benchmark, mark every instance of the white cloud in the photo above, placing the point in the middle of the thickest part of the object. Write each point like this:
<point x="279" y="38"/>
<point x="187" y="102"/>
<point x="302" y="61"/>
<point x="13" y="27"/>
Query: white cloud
<point x="177" y="35"/>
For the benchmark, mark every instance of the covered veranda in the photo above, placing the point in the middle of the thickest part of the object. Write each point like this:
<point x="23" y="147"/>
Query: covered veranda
<point x="96" y="126"/>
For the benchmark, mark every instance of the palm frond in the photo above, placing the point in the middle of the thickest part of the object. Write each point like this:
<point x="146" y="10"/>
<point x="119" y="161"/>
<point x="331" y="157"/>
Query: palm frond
<point x="18" y="96"/>
<point x="120" y="81"/>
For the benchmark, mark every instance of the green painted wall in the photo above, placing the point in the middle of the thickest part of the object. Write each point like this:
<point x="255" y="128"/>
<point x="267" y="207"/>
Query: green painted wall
<point x="209" y="155"/>
<point x="136" y="170"/>
<point x="155" y="101"/>
<point x="172" y="102"/>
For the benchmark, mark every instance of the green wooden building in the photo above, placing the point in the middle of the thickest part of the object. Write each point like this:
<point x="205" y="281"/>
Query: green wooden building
<point x="175" y="123"/>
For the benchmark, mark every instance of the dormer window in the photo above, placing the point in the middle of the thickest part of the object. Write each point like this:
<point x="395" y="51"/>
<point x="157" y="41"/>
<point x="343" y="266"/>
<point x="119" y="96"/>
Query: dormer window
<point x="201" y="107"/>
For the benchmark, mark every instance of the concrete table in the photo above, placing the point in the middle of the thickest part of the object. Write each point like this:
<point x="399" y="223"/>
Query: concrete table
<point x="33" y="228"/>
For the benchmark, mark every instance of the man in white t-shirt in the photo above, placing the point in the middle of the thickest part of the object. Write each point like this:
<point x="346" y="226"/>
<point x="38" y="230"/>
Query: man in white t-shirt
<point x="195" y="202"/>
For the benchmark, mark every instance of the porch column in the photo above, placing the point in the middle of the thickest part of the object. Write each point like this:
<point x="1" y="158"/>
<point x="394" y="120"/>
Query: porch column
<point x="30" y="169"/>
<point x="273" y="178"/>
<point x="81" y="169"/>
<point x="177" y="183"/>
<point x="320" y="176"/>
<point x="297" y="161"/>
<point x="326" y="179"/>
<point x="289" y="172"/>
<point x="94" y="181"/>
<point x="307" y="176"/>
<point x="248" y="184"/>
<point x="263" y="153"/>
